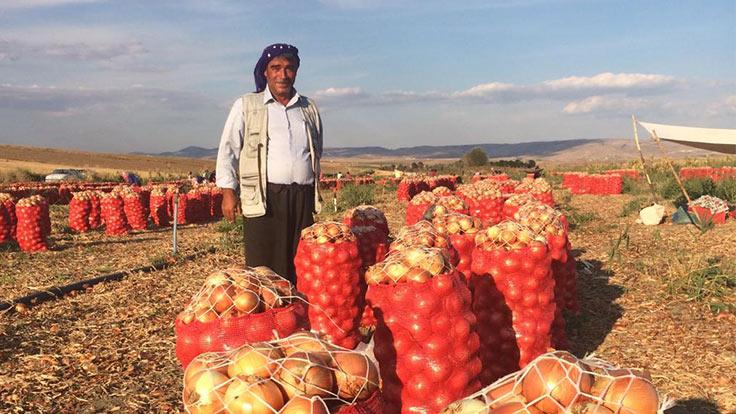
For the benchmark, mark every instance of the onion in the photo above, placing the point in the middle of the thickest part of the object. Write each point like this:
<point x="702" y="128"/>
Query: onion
<point x="515" y="408"/>
<point x="206" y="315"/>
<point x="201" y="364"/>
<point x="417" y="274"/>
<point x="221" y="297"/>
<point x="505" y="393"/>
<point x="247" y="302"/>
<point x="471" y="406"/>
<point x="304" y="405"/>
<point x="206" y="392"/>
<point x="356" y="375"/>
<point x="305" y="342"/>
<point x="590" y="408"/>
<point x="216" y="279"/>
<point x="271" y="297"/>
<point x="254" y="360"/>
<point x="186" y="317"/>
<point x="555" y="381"/>
<point x="631" y="395"/>
<point x="306" y="374"/>
<point x="252" y="395"/>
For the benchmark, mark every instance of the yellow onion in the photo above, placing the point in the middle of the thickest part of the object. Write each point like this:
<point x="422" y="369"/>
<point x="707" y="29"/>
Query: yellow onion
<point x="304" y="405"/>
<point x="631" y="395"/>
<point x="205" y="393"/>
<point x="356" y="375"/>
<point x="555" y="381"/>
<point x="468" y="406"/>
<point x="252" y="395"/>
<point x="306" y="374"/>
<point x="221" y="297"/>
<point x="247" y="302"/>
<point x="254" y="360"/>
<point x="515" y="408"/>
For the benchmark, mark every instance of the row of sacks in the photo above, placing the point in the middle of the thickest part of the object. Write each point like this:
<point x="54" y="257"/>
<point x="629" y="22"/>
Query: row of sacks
<point x="411" y="186"/>
<point x="54" y="193"/>
<point x="490" y="200"/>
<point x="714" y="173"/>
<point x="598" y="184"/>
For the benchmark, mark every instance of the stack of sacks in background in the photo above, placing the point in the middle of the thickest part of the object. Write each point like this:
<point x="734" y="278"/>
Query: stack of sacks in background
<point x="539" y="188"/>
<point x="599" y="184"/>
<point x="715" y="174"/>
<point x="411" y="186"/>
<point x="560" y="383"/>
<point x="236" y="307"/>
<point x="8" y="219"/>
<point x="625" y="173"/>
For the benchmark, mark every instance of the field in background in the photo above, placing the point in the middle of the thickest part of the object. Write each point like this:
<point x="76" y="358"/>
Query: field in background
<point x="43" y="160"/>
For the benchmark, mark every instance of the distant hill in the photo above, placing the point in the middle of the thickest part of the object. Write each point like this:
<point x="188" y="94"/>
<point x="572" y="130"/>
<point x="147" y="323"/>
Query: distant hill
<point x="562" y="151"/>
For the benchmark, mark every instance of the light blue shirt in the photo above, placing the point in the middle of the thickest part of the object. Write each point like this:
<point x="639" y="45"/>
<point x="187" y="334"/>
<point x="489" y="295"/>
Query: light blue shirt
<point x="288" y="149"/>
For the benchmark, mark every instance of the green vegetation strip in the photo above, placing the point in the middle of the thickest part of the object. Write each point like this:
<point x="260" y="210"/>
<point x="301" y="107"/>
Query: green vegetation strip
<point x="57" y="292"/>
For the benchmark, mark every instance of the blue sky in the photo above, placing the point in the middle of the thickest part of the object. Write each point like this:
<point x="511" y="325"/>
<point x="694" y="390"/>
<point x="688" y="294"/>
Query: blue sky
<point x="161" y="75"/>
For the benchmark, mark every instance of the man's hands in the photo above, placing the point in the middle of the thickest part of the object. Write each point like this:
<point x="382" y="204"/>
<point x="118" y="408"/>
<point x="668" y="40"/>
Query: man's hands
<point x="230" y="204"/>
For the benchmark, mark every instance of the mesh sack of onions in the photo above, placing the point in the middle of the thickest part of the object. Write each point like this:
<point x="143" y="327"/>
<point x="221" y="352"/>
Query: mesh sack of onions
<point x="45" y="216"/>
<point x="112" y="208"/>
<point x="403" y="190"/>
<point x="423" y="234"/>
<point x="328" y="274"/>
<point x="145" y="193"/>
<point x="206" y="202"/>
<point x="418" y="206"/>
<point x="425" y="339"/>
<point x="134" y="212"/>
<point x="301" y="374"/>
<point x="158" y="207"/>
<point x="372" y="248"/>
<point x="8" y="220"/>
<point x="509" y="186"/>
<point x="521" y="267"/>
<point x="30" y="232"/>
<point x="515" y="201"/>
<point x="79" y="209"/>
<point x="539" y="188"/>
<point x="95" y="211"/>
<point x="461" y="230"/>
<point x="236" y="307"/>
<point x="216" y="202"/>
<point x="559" y="383"/>
<point x="485" y="201"/>
<point x="185" y="208"/>
<point x="709" y="208"/>
<point x="195" y="206"/>
<point x="366" y="215"/>
<point x="441" y="191"/>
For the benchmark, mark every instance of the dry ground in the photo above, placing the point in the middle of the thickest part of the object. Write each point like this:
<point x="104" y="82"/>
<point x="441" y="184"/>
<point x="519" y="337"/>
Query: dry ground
<point x="112" y="349"/>
<point x="43" y="160"/>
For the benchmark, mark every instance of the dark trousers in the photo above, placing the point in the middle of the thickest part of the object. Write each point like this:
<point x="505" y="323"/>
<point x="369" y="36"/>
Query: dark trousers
<point x="271" y="240"/>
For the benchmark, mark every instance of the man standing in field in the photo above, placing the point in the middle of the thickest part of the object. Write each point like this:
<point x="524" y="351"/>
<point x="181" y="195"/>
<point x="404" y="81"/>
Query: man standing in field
<point x="267" y="162"/>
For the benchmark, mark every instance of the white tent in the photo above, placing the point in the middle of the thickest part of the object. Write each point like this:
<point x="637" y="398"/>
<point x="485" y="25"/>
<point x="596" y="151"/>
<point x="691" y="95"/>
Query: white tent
<point x="719" y="140"/>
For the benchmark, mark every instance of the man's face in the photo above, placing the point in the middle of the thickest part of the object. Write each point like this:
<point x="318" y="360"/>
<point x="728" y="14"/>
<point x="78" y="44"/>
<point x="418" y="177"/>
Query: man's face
<point x="280" y="75"/>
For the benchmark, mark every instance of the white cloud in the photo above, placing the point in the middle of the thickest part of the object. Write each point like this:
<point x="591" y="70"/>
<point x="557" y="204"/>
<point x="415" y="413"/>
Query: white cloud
<point x="570" y="88"/>
<point x="70" y="101"/>
<point x="76" y="51"/>
<point x="607" y="104"/>
<point x="29" y="4"/>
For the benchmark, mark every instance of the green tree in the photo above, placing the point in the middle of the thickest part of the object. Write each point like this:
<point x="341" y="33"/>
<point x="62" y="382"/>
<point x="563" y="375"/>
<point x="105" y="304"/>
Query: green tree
<point x="475" y="158"/>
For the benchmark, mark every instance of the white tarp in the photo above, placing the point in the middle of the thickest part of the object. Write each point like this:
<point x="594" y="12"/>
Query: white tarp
<point x="712" y="139"/>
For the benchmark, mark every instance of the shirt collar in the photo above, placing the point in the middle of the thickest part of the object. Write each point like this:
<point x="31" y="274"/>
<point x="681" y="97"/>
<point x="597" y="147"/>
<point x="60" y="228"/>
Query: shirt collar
<point x="268" y="98"/>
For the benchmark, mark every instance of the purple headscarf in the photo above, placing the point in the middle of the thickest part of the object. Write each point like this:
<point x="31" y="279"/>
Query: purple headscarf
<point x="270" y="52"/>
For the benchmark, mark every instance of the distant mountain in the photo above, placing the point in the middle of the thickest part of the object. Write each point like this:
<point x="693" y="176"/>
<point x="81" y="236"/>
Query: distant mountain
<point x="573" y="150"/>
<point x="538" y="149"/>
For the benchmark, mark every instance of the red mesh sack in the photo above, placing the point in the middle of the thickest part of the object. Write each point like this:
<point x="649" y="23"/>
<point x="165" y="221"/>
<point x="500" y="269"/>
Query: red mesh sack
<point x="328" y="274"/>
<point x="512" y="204"/>
<point x="112" y="208"/>
<point x="134" y="211"/>
<point x="216" y="202"/>
<point x="195" y="206"/>
<point x="95" y="211"/>
<point x="559" y="383"/>
<point x="45" y="215"/>
<point x="539" y="188"/>
<point x="366" y="215"/>
<point x="372" y="244"/>
<point x="79" y="209"/>
<point x="30" y="232"/>
<point x="709" y="208"/>
<point x="184" y="212"/>
<point x="418" y="206"/>
<point x="484" y="199"/>
<point x="425" y="339"/>
<point x="236" y="307"/>
<point x="461" y="230"/>
<point x="423" y="234"/>
<point x="300" y="374"/>
<point x="521" y="267"/>
<point x="8" y="220"/>
<point x="549" y="223"/>
<point x="158" y="207"/>
<point x="441" y="191"/>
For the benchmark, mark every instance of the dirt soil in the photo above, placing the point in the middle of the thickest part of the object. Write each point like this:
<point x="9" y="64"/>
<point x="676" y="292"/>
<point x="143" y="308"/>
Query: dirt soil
<point x="111" y="349"/>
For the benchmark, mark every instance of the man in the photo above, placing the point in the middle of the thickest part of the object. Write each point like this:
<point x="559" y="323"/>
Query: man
<point x="267" y="162"/>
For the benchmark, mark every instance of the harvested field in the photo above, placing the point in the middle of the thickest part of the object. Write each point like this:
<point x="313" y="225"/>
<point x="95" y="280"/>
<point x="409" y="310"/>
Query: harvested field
<point x="112" y="348"/>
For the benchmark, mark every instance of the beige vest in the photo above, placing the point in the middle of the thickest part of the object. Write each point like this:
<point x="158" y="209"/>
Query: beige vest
<point x="254" y="153"/>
